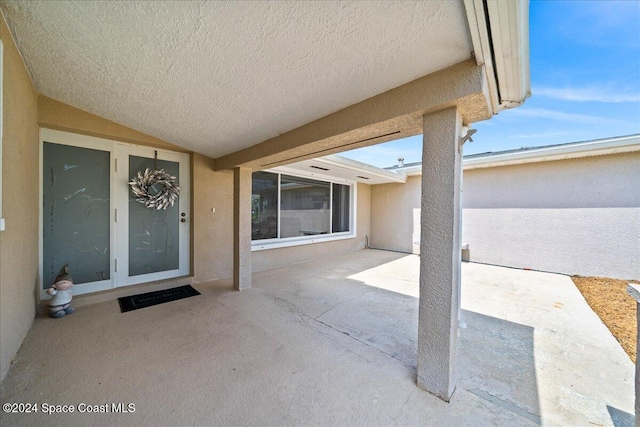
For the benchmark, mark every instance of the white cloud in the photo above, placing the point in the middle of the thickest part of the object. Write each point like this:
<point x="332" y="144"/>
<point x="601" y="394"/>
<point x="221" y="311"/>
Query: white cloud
<point x="541" y="135"/>
<point x="607" y="94"/>
<point x="565" y="117"/>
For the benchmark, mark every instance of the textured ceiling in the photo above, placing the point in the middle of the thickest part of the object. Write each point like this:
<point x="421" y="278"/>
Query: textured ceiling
<point x="216" y="77"/>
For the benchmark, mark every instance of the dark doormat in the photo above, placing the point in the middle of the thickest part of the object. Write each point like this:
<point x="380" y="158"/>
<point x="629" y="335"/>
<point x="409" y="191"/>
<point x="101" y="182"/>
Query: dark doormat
<point x="135" y="302"/>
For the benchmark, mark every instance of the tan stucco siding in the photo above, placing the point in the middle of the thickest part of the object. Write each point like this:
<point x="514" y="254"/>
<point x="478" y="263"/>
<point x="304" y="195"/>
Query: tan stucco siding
<point x="392" y="206"/>
<point x="213" y="231"/>
<point x="54" y="114"/>
<point x="19" y="242"/>
<point x="578" y="216"/>
<point x="273" y="258"/>
<point x="212" y="238"/>
<point x="587" y="182"/>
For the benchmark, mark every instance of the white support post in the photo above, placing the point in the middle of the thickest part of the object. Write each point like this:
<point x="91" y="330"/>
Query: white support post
<point x="439" y="253"/>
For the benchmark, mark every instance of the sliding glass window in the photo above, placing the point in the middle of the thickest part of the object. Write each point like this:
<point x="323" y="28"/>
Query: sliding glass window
<point x="341" y="208"/>
<point x="286" y="206"/>
<point x="304" y="207"/>
<point x="264" y="206"/>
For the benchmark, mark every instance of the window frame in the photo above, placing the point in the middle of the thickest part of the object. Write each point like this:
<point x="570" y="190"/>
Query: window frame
<point x="282" y="242"/>
<point x="2" y="224"/>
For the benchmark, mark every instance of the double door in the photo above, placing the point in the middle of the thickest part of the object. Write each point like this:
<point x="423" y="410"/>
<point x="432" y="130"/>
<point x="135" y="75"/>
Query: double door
<point x="91" y="220"/>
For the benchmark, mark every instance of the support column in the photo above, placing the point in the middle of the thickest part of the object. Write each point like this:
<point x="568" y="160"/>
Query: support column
<point x="439" y="253"/>
<point x="242" y="228"/>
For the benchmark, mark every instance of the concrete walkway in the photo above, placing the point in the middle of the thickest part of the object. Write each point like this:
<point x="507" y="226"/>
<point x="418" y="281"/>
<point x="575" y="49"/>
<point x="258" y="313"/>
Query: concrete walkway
<point x="330" y="342"/>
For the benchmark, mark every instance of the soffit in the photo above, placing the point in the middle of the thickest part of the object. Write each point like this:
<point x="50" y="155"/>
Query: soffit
<point x="338" y="168"/>
<point x="217" y="77"/>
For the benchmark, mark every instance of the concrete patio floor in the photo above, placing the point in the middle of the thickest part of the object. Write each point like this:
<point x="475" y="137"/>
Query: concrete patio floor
<point x="329" y="342"/>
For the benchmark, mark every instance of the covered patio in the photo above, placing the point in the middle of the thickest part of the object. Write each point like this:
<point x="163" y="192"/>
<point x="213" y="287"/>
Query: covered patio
<point x="97" y="93"/>
<point x="329" y="342"/>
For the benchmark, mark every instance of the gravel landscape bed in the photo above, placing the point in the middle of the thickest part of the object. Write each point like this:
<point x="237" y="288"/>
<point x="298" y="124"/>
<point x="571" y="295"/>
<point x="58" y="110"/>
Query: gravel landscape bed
<point x="608" y="298"/>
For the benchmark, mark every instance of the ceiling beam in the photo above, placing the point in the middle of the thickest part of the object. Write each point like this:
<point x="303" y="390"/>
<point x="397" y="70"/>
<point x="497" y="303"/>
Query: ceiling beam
<point x="394" y="114"/>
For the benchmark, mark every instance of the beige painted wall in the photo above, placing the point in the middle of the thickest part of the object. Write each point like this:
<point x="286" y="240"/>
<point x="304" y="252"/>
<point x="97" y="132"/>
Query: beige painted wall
<point x="213" y="231"/>
<point x="392" y="207"/>
<point x="212" y="234"/>
<point x="577" y="216"/>
<point x="53" y="114"/>
<point x="19" y="242"/>
<point x="273" y="258"/>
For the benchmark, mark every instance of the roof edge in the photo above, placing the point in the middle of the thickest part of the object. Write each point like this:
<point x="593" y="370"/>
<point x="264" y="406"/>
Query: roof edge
<point x="559" y="152"/>
<point x="354" y="165"/>
<point x="499" y="33"/>
<point x="334" y="161"/>
<point x="599" y="147"/>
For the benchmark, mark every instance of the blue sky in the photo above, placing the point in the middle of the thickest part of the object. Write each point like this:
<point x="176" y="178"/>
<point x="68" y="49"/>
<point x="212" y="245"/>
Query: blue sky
<point x="585" y="83"/>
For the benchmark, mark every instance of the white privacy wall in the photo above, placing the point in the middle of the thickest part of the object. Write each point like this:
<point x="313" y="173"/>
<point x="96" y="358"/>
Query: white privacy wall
<point x="578" y="216"/>
<point x="393" y="222"/>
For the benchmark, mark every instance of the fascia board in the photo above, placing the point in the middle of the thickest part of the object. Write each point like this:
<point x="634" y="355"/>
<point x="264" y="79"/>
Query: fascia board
<point x="482" y="47"/>
<point x="388" y="177"/>
<point x="412" y="171"/>
<point x="596" y="148"/>
<point x="361" y="168"/>
<point x="625" y="144"/>
<point x="509" y="23"/>
<point x="313" y="175"/>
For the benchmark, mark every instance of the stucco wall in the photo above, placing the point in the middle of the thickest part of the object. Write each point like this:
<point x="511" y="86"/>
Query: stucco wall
<point x="273" y="258"/>
<point x="53" y="114"/>
<point x="392" y="206"/>
<point x="213" y="231"/>
<point x="577" y="216"/>
<point x="19" y="242"/>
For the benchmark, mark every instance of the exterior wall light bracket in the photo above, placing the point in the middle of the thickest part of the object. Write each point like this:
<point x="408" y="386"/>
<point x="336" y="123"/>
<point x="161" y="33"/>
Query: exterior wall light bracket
<point x="466" y="135"/>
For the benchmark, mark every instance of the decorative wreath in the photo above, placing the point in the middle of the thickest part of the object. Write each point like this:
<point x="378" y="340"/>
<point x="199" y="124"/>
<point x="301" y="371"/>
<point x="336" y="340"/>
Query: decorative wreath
<point x="142" y="183"/>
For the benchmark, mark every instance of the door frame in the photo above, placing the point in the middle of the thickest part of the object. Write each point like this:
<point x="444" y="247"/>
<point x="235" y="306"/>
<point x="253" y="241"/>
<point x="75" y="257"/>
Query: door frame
<point x="123" y="151"/>
<point x="119" y="152"/>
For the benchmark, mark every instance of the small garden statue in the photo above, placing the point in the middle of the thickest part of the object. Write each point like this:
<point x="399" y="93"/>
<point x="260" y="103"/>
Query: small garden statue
<point x="60" y="304"/>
